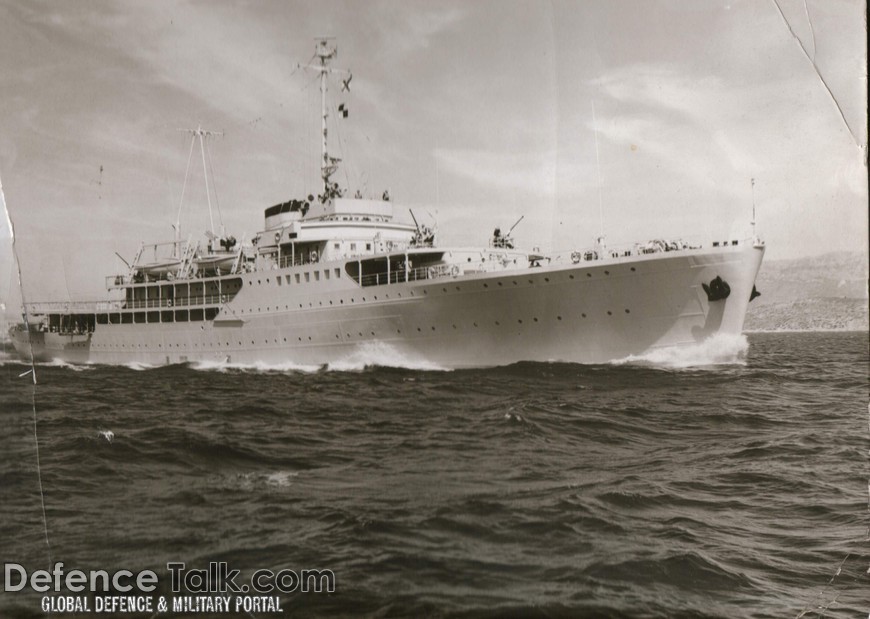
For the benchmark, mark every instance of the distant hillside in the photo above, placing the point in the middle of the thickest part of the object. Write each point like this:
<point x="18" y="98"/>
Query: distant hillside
<point x="819" y="293"/>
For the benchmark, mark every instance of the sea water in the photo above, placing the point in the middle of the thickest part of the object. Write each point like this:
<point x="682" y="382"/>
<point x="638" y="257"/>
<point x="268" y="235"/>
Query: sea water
<point x="729" y="481"/>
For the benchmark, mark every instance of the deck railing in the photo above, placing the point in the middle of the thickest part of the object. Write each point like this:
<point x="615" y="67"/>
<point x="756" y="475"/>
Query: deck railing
<point x="411" y="275"/>
<point x="101" y="307"/>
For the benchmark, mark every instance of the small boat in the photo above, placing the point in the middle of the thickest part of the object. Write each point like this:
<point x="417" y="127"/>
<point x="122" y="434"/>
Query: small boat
<point x="159" y="268"/>
<point x="216" y="263"/>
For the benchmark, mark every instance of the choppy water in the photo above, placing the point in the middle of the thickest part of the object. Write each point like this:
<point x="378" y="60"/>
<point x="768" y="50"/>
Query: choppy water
<point x="653" y="487"/>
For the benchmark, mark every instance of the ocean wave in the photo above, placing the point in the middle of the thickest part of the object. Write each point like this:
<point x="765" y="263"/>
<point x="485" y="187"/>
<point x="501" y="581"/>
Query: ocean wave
<point x="720" y="349"/>
<point x="258" y="480"/>
<point x="257" y="366"/>
<point x="139" y="366"/>
<point x="381" y="354"/>
<point x="60" y="363"/>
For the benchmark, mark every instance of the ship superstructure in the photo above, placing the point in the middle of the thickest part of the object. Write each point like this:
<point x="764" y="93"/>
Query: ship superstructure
<point x="331" y="274"/>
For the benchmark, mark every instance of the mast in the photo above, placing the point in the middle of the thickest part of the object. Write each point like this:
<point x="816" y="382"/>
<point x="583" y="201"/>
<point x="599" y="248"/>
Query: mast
<point x="325" y="52"/>
<point x="754" y="234"/>
<point x="201" y="134"/>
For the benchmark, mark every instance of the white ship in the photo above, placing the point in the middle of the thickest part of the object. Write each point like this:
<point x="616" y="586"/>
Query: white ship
<point x="332" y="275"/>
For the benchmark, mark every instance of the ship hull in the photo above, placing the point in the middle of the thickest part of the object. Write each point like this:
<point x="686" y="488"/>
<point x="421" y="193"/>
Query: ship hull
<point x="584" y="313"/>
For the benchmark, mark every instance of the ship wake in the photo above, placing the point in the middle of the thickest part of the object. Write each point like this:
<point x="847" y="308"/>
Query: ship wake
<point x="381" y="354"/>
<point x="257" y="367"/>
<point x="720" y="349"/>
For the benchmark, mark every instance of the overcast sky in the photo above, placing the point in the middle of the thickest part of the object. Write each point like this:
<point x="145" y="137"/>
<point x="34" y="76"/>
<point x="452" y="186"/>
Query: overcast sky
<point x="472" y="113"/>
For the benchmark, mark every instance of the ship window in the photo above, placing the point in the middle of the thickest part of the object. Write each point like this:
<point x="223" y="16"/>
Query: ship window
<point x="308" y="277"/>
<point x="337" y="273"/>
<point x="368" y="246"/>
<point x="353" y="246"/>
<point x="317" y="276"/>
<point x="337" y="246"/>
<point x="297" y="278"/>
<point x="278" y="280"/>
<point x="288" y="278"/>
<point x="326" y="273"/>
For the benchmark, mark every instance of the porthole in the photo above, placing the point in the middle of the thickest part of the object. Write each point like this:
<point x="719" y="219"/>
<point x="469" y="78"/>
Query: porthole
<point x="589" y="275"/>
<point x="558" y="318"/>
<point x="607" y="272"/>
<point x="583" y="315"/>
<point x="609" y="313"/>
<point x="633" y="269"/>
<point x="628" y="311"/>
